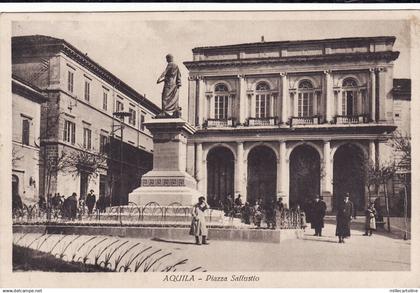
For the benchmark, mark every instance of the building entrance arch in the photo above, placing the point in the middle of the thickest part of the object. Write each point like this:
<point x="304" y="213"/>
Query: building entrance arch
<point x="262" y="174"/>
<point x="349" y="176"/>
<point x="220" y="175"/>
<point x="305" y="175"/>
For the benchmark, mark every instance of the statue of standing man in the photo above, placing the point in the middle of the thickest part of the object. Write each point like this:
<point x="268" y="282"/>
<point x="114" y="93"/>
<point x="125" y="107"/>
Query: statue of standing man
<point x="170" y="94"/>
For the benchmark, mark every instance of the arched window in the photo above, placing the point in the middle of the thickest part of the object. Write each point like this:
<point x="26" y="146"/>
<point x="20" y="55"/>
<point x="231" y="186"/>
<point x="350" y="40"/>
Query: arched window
<point x="262" y="100"/>
<point x="221" y="101"/>
<point x="349" y="98"/>
<point x="306" y="98"/>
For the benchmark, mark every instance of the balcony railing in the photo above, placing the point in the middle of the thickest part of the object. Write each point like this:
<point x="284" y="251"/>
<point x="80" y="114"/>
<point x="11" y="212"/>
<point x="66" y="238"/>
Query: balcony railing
<point x="268" y="121"/>
<point x="355" y="119"/>
<point x="304" y="120"/>
<point x="230" y="122"/>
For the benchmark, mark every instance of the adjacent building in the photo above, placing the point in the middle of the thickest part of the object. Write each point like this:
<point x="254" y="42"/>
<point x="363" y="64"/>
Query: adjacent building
<point x="92" y="133"/>
<point x="26" y="114"/>
<point x="290" y="119"/>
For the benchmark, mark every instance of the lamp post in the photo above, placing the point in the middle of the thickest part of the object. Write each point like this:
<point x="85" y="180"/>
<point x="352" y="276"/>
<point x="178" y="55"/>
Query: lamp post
<point x="120" y="115"/>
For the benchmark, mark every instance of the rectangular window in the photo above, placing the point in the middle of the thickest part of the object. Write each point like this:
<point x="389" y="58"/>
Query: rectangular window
<point x="305" y="104"/>
<point x="221" y="107"/>
<point x="25" y="130"/>
<point x="105" y="100"/>
<point x="262" y="106"/>
<point x="132" y="117"/>
<point x="103" y="143"/>
<point x="69" y="132"/>
<point x="142" y="121"/>
<point x="120" y="108"/>
<point x="102" y="185"/>
<point x="70" y="81"/>
<point x="87" y="90"/>
<point x="87" y="138"/>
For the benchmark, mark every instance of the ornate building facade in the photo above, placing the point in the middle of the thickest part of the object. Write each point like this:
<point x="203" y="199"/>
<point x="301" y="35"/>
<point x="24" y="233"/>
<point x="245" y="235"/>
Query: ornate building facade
<point x="289" y="119"/>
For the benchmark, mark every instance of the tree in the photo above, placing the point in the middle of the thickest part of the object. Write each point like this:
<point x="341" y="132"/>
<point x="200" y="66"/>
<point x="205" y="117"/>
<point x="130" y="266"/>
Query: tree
<point x="83" y="161"/>
<point x="377" y="176"/>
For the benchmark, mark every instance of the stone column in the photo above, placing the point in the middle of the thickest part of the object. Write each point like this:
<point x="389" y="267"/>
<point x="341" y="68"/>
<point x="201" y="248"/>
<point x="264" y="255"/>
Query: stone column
<point x="284" y="97"/>
<point x="327" y="187"/>
<point x="282" y="173"/>
<point x="382" y="93"/>
<point x="329" y="95"/>
<point x="372" y="94"/>
<point x="239" y="169"/>
<point x="199" y="167"/>
<point x="242" y="99"/>
<point x="252" y="105"/>
<point x="372" y="152"/>
<point x="272" y="101"/>
<point x="201" y="101"/>
<point x="192" y="86"/>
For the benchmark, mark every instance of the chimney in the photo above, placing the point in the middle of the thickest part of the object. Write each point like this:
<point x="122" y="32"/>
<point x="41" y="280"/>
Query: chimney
<point x="262" y="39"/>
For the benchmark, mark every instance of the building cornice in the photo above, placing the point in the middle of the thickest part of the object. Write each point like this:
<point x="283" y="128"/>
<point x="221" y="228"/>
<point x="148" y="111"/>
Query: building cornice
<point x="333" y="132"/>
<point x="35" y="44"/>
<point x="27" y="90"/>
<point x="286" y="44"/>
<point x="295" y="60"/>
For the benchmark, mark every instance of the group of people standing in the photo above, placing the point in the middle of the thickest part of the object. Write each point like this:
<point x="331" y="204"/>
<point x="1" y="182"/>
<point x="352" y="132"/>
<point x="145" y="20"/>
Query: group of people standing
<point x="345" y="213"/>
<point x="70" y="208"/>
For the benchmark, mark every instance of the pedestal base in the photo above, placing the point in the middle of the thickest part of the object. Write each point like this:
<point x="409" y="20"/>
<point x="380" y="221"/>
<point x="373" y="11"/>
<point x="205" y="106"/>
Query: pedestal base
<point x="165" y="188"/>
<point x="165" y="196"/>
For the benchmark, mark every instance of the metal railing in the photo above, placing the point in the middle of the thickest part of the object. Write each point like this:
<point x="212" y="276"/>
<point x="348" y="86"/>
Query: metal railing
<point x="304" y="120"/>
<point x="268" y="121"/>
<point x="150" y="215"/>
<point x="354" y="119"/>
<point x="219" y="123"/>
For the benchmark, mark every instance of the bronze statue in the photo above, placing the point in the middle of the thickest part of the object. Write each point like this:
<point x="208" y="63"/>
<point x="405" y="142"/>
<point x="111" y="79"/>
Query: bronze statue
<point x="170" y="94"/>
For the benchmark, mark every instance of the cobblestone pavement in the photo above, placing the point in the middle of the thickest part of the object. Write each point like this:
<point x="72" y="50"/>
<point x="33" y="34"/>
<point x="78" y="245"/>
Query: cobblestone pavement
<point x="381" y="252"/>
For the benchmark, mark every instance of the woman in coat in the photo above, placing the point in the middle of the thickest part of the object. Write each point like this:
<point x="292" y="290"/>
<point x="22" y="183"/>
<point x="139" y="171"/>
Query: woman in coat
<point x="198" y="223"/>
<point x="370" y="222"/>
<point x="344" y="214"/>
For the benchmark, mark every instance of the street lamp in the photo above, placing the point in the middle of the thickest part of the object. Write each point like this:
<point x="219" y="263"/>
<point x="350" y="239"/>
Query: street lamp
<point x="120" y="115"/>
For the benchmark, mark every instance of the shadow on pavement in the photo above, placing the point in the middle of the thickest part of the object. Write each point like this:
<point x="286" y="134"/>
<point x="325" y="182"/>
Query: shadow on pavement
<point x="173" y="241"/>
<point x="319" y="239"/>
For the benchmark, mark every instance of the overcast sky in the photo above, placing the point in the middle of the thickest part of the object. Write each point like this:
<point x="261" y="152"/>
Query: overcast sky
<point x="134" y="50"/>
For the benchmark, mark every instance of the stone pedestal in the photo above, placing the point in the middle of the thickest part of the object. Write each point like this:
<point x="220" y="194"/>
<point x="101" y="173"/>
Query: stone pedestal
<point x="168" y="182"/>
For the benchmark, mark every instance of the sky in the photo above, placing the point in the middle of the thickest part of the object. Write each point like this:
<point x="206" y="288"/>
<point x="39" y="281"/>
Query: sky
<point x="134" y="49"/>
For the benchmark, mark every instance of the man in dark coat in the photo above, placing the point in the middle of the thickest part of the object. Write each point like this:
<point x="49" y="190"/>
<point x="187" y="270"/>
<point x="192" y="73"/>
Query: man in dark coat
<point x="344" y="215"/>
<point x="317" y="215"/>
<point x="90" y="201"/>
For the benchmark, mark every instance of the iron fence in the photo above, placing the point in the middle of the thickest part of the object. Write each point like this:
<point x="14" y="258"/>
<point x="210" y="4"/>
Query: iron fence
<point x="152" y="215"/>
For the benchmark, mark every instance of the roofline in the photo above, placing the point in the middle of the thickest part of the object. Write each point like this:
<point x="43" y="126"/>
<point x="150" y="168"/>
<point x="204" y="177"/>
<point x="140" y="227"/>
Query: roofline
<point x="75" y="54"/>
<point x="29" y="91"/>
<point x="390" y="39"/>
<point x="387" y="55"/>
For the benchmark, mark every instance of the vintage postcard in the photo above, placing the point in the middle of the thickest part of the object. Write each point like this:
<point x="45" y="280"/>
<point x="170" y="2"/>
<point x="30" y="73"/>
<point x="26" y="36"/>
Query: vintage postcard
<point x="209" y="149"/>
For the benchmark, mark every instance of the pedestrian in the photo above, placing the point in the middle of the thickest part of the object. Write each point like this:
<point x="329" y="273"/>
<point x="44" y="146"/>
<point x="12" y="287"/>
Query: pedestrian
<point x="370" y="221"/>
<point x="246" y="213"/>
<point x="198" y="223"/>
<point x="257" y="214"/>
<point x="90" y="201"/>
<point x="344" y="215"/>
<point x="72" y="206"/>
<point x="302" y="215"/>
<point x="317" y="215"/>
<point x="280" y="205"/>
<point x="270" y="213"/>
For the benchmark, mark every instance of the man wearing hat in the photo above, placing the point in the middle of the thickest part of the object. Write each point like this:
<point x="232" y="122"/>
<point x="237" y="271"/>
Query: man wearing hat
<point x="318" y="214"/>
<point x="344" y="214"/>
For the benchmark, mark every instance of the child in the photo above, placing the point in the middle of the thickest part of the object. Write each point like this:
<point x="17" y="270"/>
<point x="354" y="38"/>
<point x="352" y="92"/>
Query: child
<point x="302" y="216"/>
<point x="370" y="222"/>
